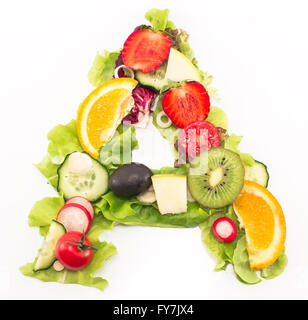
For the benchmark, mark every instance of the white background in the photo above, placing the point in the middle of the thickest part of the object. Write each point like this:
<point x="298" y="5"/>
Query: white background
<point x="257" y="52"/>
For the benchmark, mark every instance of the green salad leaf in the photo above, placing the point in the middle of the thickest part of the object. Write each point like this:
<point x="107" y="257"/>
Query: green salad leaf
<point x="222" y="251"/>
<point x="235" y="252"/>
<point x="207" y="80"/>
<point x="83" y="277"/>
<point x="159" y="19"/>
<point x="41" y="215"/>
<point x="218" y="118"/>
<point x="63" y="139"/>
<point x="241" y="263"/>
<point x="133" y="212"/>
<point x="44" y="211"/>
<point x="103" y="67"/>
<point x="276" y="268"/>
<point x="119" y="149"/>
<point x="232" y="143"/>
<point x="184" y="46"/>
<point x="182" y="170"/>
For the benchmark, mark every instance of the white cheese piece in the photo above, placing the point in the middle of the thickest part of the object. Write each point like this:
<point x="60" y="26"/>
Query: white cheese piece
<point x="171" y="193"/>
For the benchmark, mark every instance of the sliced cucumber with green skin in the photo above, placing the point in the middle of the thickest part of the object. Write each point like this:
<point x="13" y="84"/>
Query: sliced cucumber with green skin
<point x="47" y="254"/>
<point x="155" y="79"/>
<point x="257" y="173"/>
<point x="177" y="68"/>
<point x="81" y="175"/>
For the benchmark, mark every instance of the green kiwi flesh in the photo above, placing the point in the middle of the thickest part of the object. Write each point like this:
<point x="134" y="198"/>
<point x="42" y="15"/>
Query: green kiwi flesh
<point x="216" y="178"/>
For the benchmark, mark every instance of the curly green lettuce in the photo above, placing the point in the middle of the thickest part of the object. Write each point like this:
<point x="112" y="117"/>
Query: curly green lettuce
<point x="159" y="19"/>
<point x="63" y="140"/>
<point x="103" y="67"/>
<point x="218" y="118"/>
<point x="232" y="143"/>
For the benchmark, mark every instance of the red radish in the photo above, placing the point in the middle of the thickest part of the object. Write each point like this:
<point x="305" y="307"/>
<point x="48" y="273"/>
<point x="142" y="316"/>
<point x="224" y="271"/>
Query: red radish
<point x="187" y="103"/>
<point x="145" y="50"/>
<point x="75" y="217"/>
<point x="197" y="137"/>
<point x="83" y="202"/>
<point x="224" y="229"/>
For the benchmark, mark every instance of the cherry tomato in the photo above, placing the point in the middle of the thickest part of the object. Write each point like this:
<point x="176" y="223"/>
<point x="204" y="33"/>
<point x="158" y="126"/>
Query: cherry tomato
<point x="197" y="137"/>
<point x="74" y="250"/>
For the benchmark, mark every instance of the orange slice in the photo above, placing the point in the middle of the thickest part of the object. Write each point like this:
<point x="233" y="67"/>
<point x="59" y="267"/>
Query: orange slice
<point x="261" y="215"/>
<point x="102" y="111"/>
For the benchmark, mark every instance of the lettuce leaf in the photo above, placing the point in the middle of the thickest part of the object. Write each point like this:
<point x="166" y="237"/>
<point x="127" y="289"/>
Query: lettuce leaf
<point x="207" y="80"/>
<point x="276" y="268"/>
<point x="222" y="251"/>
<point x="232" y="143"/>
<point x="83" y="277"/>
<point x="40" y="216"/>
<point x="235" y="252"/>
<point x="218" y="117"/>
<point x="119" y="149"/>
<point x="103" y="67"/>
<point x="241" y="263"/>
<point x="63" y="140"/>
<point x="159" y="19"/>
<point x="44" y="211"/>
<point x="133" y="212"/>
<point x="185" y="47"/>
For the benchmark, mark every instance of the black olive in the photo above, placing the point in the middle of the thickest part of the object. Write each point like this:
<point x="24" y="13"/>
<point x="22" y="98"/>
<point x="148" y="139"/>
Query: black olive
<point x="130" y="180"/>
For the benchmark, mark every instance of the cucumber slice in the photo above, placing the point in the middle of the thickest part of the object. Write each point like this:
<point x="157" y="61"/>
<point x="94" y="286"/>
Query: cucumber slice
<point x="176" y="68"/>
<point x="155" y="79"/>
<point x="81" y="175"/>
<point x="257" y="173"/>
<point x="47" y="254"/>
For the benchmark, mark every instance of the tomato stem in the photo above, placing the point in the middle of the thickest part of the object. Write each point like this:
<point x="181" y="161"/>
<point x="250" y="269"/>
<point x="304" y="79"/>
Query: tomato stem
<point x="80" y="244"/>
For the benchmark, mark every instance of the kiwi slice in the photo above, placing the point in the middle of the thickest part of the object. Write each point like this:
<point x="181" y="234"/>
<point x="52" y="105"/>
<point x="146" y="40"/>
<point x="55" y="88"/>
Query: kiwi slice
<point x="216" y="177"/>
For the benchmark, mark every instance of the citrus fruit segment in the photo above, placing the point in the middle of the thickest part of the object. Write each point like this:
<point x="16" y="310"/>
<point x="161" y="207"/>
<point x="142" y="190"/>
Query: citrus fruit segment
<point x="261" y="215"/>
<point x="102" y="111"/>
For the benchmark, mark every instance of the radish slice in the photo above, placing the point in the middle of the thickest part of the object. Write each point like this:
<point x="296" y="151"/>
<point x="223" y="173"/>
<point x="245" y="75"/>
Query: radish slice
<point x="83" y="202"/>
<point x="75" y="217"/>
<point x="224" y="229"/>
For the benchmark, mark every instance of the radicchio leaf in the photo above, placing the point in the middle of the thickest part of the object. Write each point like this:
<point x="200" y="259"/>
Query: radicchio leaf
<point x="143" y="101"/>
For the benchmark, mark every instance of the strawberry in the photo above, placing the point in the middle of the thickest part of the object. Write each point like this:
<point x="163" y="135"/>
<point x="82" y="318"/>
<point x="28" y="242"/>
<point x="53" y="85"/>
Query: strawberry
<point x="186" y="103"/>
<point x="145" y="50"/>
